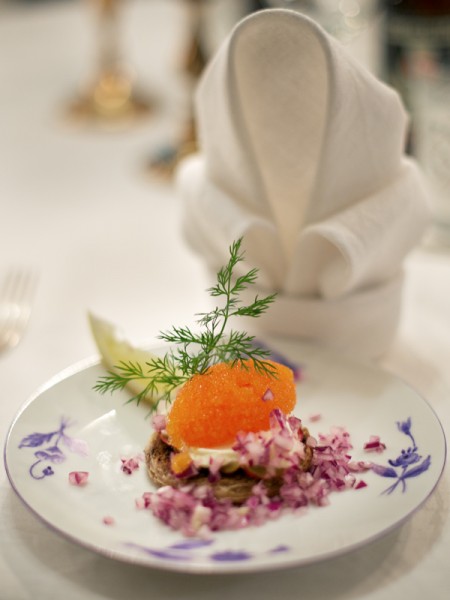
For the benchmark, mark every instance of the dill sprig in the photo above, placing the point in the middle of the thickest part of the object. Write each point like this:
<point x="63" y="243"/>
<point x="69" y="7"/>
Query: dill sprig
<point x="194" y="352"/>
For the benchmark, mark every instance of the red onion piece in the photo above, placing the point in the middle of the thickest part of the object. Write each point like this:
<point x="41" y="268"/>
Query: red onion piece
<point x="79" y="478"/>
<point x="374" y="444"/>
<point x="315" y="417"/>
<point x="159" y="422"/>
<point x="268" y="395"/>
<point x="129" y="465"/>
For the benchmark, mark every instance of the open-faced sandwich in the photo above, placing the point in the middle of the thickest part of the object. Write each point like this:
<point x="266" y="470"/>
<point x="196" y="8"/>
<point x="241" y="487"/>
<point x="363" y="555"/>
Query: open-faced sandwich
<point x="227" y="451"/>
<point x="228" y="429"/>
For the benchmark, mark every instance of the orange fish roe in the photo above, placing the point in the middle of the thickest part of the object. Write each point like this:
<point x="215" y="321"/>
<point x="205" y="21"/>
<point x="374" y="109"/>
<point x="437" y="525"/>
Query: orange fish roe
<point x="211" y="409"/>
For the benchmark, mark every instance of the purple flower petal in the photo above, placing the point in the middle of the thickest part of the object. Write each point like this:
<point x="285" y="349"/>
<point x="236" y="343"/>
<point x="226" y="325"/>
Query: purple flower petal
<point x="191" y="544"/>
<point x="36" y="439"/>
<point x="419" y="468"/>
<point x="384" y="471"/>
<point x="279" y="549"/>
<point x="405" y="426"/>
<point x="230" y="555"/>
<point x="165" y="554"/>
<point x="54" y="457"/>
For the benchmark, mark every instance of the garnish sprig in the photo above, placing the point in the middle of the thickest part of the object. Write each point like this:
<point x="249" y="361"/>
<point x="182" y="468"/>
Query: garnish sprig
<point x="194" y="352"/>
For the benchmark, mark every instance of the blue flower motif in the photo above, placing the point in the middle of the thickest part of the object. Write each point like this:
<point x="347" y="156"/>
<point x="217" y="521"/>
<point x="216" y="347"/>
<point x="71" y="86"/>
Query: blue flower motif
<point x="408" y="463"/>
<point x="231" y="555"/>
<point x="407" y="457"/>
<point x="384" y="471"/>
<point x="405" y="426"/>
<point x="280" y="358"/>
<point x="189" y="549"/>
<point x="52" y="453"/>
<point x="191" y="544"/>
<point x="279" y="549"/>
<point x="36" y="439"/>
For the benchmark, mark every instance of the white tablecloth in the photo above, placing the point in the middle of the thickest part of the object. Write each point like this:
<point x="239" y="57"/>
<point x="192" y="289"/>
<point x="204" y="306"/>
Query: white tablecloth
<point x="78" y="206"/>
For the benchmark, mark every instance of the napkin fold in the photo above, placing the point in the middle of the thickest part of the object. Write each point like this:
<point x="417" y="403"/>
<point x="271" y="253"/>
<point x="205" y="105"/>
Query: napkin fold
<point x="302" y="154"/>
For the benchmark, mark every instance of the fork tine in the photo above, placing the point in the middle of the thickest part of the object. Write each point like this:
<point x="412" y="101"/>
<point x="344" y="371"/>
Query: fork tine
<point x="18" y="286"/>
<point x="16" y="297"/>
<point x="8" y="283"/>
<point x="24" y="285"/>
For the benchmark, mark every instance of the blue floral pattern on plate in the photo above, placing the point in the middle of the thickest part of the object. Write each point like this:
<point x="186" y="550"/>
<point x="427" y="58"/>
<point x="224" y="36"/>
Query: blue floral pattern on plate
<point x="50" y="452"/>
<point x="407" y="464"/>
<point x="186" y="551"/>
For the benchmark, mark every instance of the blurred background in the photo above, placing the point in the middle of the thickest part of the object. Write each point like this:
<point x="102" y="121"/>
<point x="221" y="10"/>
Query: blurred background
<point x="121" y="73"/>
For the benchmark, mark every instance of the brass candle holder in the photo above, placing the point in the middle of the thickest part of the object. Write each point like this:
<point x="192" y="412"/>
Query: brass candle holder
<point x="111" y="99"/>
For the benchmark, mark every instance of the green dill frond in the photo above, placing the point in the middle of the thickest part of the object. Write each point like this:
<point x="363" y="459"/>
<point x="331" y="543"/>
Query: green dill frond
<point x="193" y="353"/>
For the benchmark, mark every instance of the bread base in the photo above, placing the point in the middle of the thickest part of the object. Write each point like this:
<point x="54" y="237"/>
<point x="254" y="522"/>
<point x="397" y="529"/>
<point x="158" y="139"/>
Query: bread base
<point x="236" y="487"/>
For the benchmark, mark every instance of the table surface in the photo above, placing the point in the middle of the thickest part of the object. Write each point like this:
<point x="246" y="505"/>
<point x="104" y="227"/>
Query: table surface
<point x="78" y="206"/>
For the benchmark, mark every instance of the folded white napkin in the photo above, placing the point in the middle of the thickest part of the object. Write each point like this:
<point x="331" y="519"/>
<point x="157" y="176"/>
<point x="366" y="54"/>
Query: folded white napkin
<point x="302" y="153"/>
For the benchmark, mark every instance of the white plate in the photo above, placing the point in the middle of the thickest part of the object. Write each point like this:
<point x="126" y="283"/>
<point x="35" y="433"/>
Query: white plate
<point x="98" y="430"/>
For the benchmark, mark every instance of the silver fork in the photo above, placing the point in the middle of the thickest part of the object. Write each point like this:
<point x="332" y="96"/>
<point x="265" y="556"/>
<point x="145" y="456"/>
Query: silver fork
<point x="16" y="296"/>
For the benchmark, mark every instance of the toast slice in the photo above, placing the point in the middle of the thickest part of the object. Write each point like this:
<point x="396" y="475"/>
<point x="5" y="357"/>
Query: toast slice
<point x="236" y="487"/>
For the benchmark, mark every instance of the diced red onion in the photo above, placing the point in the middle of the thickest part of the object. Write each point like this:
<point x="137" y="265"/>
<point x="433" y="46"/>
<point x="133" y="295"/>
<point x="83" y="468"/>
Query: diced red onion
<point x="268" y="395"/>
<point x="129" y="465"/>
<point x="159" y="422"/>
<point x="79" y="478"/>
<point x="214" y="469"/>
<point x="315" y="417"/>
<point x="374" y="444"/>
<point x="196" y="512"/>
<point x="108" y="520"/>
<point x="359" y="466"/>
